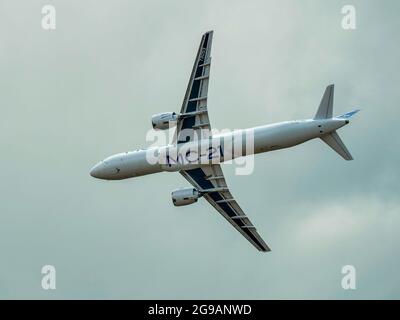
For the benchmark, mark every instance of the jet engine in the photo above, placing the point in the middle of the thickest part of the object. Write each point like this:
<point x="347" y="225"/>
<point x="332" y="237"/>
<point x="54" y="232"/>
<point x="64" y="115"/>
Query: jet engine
<point x="185" y="196"/>
<point x="161" y="121"/>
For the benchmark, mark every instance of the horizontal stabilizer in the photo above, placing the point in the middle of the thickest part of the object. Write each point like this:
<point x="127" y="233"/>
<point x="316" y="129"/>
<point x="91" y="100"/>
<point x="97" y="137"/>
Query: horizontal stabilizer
<point x="333" y="140"/>
<point x="348" y="114"/>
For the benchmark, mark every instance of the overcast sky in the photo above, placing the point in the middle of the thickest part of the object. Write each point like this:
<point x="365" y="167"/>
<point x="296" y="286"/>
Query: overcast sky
<point x="75" y="95"/>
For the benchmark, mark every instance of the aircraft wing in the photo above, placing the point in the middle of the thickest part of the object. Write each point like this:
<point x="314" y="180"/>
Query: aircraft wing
<point x="194" y="114"/>
<point x="210" y="179"/>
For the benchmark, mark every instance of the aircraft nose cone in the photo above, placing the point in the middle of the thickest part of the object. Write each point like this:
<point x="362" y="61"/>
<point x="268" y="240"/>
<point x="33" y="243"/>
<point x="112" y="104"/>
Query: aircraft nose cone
<point x="95" y="172"/>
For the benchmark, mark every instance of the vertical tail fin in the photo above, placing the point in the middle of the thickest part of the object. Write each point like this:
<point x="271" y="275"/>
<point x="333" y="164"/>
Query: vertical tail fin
<point x="326" y="105"/>
<point x="333" y="140"/>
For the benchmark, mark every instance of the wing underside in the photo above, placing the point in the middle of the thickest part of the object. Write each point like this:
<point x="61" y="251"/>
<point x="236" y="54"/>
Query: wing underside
<point x="194" y="124"/>
<point x="194" y="107"/>
<point x="210" y="180"/>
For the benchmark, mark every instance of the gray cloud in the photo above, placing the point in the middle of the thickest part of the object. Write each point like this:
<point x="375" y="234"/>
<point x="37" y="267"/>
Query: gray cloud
<point x="88" y="89"/>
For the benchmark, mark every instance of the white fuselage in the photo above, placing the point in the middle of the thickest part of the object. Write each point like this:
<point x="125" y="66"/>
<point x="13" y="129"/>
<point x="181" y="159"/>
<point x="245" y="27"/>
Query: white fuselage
<point x="194" y="154"/>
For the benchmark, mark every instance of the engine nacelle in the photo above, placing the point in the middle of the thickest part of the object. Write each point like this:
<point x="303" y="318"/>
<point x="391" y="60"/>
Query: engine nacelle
<point x="185" y="196"/>
<point x="161" y="121"/>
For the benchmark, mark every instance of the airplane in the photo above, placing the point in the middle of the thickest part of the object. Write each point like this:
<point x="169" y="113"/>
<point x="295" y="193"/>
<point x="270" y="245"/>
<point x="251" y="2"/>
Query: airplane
<point x="193" y="130"/>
